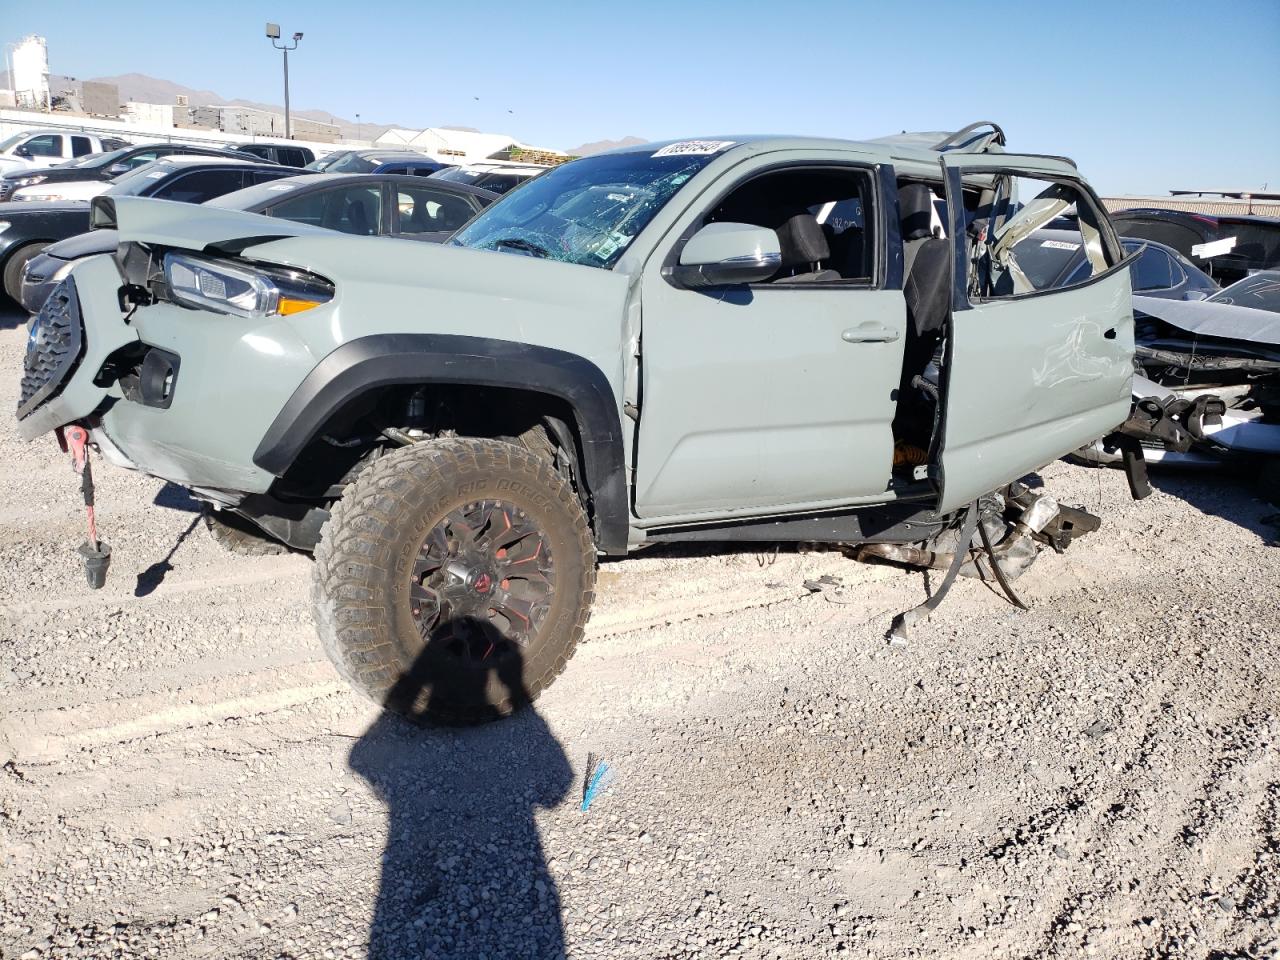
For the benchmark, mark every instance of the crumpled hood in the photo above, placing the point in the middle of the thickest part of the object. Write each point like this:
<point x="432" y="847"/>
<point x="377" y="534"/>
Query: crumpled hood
<point x="196" y="227"/>
<point x="1224" y="321"/>
<point x="387" y="273"/>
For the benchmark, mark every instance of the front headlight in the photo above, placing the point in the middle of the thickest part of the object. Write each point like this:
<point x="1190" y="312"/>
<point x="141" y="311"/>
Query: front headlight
<point x="28" y="181"/>
<point x="243" y="290"/>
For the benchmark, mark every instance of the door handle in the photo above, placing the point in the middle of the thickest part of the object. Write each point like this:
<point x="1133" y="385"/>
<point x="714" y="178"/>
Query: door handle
<point x="869" y="332"/>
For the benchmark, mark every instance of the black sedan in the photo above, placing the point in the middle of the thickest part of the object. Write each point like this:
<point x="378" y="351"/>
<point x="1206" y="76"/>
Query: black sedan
<point x="378" y="161"/>
<point x="362" y="204"/>
<point x="1054" y="258"/>
<point x="27" y="228"/>
<point x="1227" y="247"/>
<point x="109" y="166"/>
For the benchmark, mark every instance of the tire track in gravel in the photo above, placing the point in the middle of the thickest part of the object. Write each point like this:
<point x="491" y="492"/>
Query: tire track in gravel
<point x="1132" y="803"/>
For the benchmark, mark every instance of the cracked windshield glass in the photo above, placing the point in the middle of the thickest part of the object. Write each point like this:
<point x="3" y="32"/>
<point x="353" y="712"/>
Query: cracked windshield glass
<point x="585" y="212"/>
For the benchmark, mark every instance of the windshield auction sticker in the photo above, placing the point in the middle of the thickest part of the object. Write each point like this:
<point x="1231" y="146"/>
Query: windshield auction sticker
<point x="693" y="148"/>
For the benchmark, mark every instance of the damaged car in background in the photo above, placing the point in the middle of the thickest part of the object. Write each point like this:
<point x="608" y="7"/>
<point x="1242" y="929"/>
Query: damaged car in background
<point x="729" y="339"/>
<point x="1208" y="389"/>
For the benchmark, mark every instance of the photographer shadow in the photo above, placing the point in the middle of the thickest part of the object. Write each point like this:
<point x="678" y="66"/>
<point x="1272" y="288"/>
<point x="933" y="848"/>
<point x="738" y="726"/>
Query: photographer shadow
<point x="463" y="869"/>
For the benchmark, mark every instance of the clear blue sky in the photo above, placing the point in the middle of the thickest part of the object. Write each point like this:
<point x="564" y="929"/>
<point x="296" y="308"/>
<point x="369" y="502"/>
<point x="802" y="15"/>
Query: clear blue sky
<point x="1146" y="95"/>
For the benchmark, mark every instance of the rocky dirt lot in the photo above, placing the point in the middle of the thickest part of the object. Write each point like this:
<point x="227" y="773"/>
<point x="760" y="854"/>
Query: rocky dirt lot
<point x="185" y="776"/>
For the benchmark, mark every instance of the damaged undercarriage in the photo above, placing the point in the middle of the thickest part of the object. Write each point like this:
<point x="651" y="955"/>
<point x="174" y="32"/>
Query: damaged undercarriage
<point x="1018" y="523"/>
<point x="1209" y="386"/>
<point x="1000" y="536"/>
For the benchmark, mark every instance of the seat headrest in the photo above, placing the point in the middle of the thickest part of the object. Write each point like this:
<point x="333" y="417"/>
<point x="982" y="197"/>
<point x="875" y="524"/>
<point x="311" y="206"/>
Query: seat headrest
<point x="915" y="207"/>
<point x="802" y="241"/>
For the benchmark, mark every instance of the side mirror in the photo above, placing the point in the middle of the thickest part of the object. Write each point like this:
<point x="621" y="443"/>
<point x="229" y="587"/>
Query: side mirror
<point x="22" y="150"/>
<point x="118" y="168"/>
<point x="1195" y="295"/>
<point x="102" y="213"/>
<point x="728" y="253"/>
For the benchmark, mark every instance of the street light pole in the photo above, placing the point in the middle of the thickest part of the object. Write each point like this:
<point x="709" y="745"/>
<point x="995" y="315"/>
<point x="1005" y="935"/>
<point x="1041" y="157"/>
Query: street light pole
<point x="273" y="34"/>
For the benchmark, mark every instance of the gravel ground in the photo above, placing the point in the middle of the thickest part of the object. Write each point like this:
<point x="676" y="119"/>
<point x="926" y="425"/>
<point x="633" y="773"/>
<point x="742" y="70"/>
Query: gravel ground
<point x="184" y="776"/>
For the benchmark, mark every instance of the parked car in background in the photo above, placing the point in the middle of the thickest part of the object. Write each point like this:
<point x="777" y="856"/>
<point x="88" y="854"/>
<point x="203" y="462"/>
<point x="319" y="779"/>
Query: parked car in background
<point x="27" y="228"/>
<point x="289" y="154"/>
<point x="414" y="165"/>
<point x="34" y="149"/>
<point x="377" y="161"/>
<point x="1227" y="248"/>
<point x="321" y="164"/>
<point x="1053" y="258"/>
<point x="496" y="175"/>
<point x="85" y="190"/>
<point x="360" y="204"/>
<point x="1260" y="290"/>
<point x="48" y="184"/>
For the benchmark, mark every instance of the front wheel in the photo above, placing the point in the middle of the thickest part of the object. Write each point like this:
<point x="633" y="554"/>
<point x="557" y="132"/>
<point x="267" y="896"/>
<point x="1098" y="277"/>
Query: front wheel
<point x="453" y="579"/>
<point x="13" y="269"/>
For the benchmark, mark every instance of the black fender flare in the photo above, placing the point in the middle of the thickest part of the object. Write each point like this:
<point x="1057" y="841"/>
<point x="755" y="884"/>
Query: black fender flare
<point x="368" y="363"/>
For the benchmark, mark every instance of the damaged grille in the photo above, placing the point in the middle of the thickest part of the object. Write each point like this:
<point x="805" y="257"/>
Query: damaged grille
<point x="54" y="345"/>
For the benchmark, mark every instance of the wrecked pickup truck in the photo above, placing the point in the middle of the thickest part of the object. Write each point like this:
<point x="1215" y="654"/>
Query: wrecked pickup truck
<point x="726" y="339"/>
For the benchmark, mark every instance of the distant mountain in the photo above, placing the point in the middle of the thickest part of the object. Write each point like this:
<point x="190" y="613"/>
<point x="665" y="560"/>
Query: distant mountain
<point x="145" y="89"/>
<point x="600" y="146"/>
<point x="139" y="86"/>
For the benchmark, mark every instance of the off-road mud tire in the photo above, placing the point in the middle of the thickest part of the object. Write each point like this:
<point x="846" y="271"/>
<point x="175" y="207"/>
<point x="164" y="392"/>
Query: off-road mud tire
<point x="242" y="536"/>
<point x="363" y="563"/>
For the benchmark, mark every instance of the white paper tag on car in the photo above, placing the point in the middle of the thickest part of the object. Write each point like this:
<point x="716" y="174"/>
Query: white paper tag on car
<point x="693" y="148"/>
<point x="1060" y="245"/>
<point x="1214" y="248"/>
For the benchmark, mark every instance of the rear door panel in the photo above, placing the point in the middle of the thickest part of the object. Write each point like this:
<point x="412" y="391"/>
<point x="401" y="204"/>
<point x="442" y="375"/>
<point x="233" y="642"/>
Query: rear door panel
<point x="1029" y="378"/>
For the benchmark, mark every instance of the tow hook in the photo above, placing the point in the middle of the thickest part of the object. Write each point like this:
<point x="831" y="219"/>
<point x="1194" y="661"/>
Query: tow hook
<point x="96" y="553"/>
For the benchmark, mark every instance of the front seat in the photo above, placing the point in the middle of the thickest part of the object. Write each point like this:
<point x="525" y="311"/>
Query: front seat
<point x="804" y="248"/>
<point x="927" y="291"/>
<point x="927" y="266"/>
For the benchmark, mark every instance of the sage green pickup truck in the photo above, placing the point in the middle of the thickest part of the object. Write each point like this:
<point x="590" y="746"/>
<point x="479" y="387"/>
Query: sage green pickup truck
<point x="725" y="339"/>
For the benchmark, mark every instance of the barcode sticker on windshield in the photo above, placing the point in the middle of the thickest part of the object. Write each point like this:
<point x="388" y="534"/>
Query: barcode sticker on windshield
<point x="693" y="148"/>
<point x="1060" y="245"/>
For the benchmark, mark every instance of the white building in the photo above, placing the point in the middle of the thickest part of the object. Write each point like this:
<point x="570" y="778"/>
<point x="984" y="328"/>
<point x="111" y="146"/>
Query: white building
<point x="29" y="72"/>
<point x="149" y="114"/>
<point x="253" y="122"/>
<point x="453" y="145"/>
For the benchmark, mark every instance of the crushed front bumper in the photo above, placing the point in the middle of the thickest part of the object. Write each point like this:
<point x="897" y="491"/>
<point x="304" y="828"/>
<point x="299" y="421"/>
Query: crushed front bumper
<point x="70" y="339"/>
<point x="181" y="394"/>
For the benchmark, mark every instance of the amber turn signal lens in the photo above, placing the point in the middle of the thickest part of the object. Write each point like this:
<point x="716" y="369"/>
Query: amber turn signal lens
<point x="289" y="305"/>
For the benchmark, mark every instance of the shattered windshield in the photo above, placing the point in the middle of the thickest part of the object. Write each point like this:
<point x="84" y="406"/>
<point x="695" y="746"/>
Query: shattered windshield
<point x="1260" y="291"/>
<point x="585" y="212"/>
